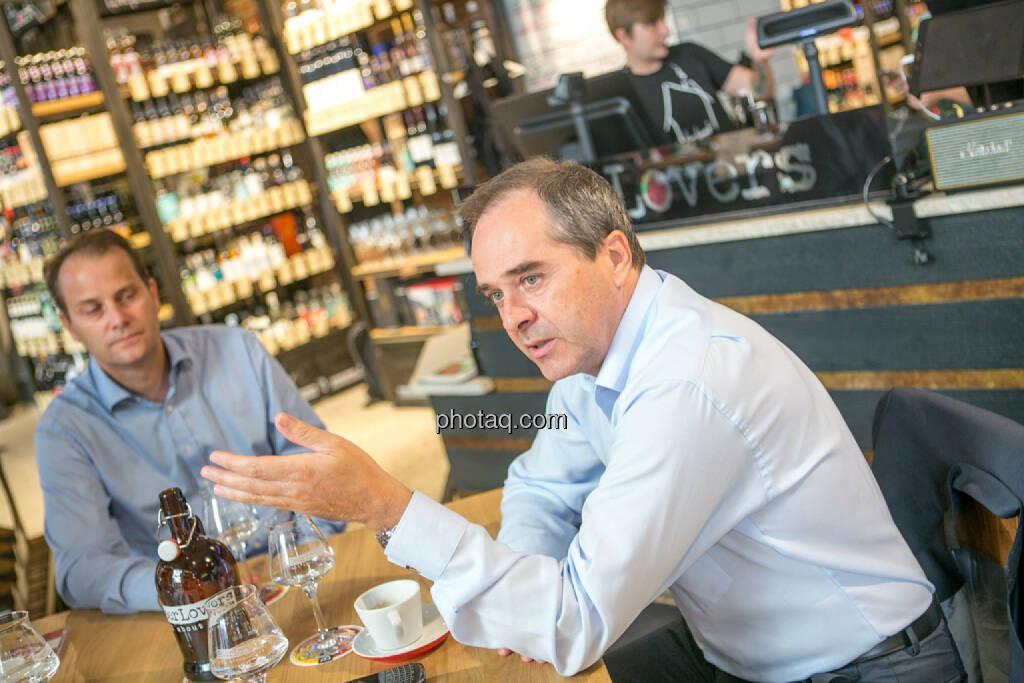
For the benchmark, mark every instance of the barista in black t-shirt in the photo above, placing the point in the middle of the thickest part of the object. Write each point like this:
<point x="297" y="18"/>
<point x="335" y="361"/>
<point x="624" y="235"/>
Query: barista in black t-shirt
<point x="678" y="85"/>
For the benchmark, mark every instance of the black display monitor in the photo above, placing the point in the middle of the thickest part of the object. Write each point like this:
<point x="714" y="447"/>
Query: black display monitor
<point x="612" y="111"/>
<point x="970" y="47"/>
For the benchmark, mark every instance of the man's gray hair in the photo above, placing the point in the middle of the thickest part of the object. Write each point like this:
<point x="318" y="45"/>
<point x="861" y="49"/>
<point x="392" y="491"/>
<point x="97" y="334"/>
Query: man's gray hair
<point x="584" y="207"/>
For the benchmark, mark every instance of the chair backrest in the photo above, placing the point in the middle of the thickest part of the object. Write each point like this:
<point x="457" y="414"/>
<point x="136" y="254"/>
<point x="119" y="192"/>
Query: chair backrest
<point x="931" y="454"/>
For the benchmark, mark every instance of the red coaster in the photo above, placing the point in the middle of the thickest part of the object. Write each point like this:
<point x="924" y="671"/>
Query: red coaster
<point x="272" y="592"/>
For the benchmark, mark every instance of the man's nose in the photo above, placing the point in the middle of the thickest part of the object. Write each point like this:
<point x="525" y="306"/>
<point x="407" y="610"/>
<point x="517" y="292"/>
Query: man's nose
<point x="515" y="316"/>
<point x="118" y="316"/>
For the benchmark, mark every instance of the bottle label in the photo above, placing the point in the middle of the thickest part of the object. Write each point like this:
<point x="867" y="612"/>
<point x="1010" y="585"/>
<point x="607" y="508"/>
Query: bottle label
<point x="183" y="616"/>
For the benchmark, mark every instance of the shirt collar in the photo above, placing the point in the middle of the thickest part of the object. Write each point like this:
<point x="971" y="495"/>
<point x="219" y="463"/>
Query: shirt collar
<point x="111" y="394"/>
<point x="615" y="368"/>
<point x="178" y="355"/>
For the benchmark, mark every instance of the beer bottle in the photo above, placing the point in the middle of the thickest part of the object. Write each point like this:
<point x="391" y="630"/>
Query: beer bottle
<point x="192" y="569"/>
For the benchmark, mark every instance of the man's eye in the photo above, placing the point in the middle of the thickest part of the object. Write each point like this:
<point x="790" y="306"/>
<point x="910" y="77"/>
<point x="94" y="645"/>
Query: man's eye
<point x="495" y="297"/>
<point x="531" y="280"/>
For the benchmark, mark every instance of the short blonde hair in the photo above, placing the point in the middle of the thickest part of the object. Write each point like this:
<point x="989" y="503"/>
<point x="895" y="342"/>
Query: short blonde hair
<point x="625" y="13"/>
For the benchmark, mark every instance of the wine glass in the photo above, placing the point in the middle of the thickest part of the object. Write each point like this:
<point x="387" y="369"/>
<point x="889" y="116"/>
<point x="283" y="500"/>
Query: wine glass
<point x="244" y="641"/>
<point x="24" y="655"/>
<point x="233" y="523"/>
<point x="299" y="556"/>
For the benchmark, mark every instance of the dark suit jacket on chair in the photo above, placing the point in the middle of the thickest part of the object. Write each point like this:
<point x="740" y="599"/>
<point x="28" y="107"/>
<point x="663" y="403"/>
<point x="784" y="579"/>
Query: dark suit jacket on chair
<point x="930" y="450"/>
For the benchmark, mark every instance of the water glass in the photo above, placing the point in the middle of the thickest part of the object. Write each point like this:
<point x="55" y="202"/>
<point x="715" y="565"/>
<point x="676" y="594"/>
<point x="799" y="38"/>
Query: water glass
<point x="244" y="640"/>
<point x="25" y="657"/>
<point x="300" y="556"/>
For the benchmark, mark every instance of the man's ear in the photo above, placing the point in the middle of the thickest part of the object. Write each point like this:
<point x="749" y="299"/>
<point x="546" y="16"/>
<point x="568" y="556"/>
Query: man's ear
<point x="619" y="255"/>
<point x="622" y="35"/>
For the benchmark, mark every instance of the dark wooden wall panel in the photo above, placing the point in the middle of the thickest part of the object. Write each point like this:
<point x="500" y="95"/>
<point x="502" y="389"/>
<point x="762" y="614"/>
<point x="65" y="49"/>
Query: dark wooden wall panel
<point x="965" y="247"/>
<point x="981" y="334"/>
<point x="961" y="335"/>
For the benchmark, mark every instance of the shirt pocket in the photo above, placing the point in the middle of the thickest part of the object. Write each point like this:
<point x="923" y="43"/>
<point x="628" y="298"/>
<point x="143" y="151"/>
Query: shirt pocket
<point x="703" y="584"/>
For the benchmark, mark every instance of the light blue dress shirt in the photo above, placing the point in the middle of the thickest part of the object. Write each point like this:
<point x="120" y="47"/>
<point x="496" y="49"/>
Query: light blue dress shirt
<point x="705" y="459"/>
<point x="104" y="454"/>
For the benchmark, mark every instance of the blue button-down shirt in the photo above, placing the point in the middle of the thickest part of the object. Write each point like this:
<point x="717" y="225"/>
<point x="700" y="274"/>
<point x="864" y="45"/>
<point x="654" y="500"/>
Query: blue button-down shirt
<point x="105" y="453"/>
<point x="706" y="459"/>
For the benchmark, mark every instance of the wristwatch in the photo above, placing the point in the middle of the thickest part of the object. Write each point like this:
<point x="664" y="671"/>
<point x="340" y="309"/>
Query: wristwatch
<point x="384" y="536"/>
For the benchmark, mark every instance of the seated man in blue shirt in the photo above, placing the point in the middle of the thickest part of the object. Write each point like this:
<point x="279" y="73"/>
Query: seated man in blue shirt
<point x="141" y="418"/>
<point x="700" y="456"/>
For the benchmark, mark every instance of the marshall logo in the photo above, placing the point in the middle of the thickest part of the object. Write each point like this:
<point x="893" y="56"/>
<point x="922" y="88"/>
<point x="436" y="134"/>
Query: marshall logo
<point x="982" y="150"/>
<point x="756" y="175"/>
<point x="986" y="149"/>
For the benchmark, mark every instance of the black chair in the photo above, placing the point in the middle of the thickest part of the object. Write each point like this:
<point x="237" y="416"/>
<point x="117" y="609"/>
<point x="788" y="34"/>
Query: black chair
<point x="932" y="454"/>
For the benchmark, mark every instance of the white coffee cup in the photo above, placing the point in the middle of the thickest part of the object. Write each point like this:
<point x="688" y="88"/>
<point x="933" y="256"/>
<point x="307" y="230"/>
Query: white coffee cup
<point x="392" y="612"/>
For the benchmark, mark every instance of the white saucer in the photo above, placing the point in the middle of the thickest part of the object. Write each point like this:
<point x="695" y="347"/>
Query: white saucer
<point x="434" y="633"/>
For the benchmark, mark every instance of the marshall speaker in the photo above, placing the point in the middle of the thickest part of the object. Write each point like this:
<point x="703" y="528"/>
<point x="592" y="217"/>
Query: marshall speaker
<point x="984" y="150"/>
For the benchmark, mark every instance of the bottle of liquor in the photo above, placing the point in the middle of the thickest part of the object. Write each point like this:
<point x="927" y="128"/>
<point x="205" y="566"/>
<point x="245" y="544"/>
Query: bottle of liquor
<point x="192" y="569"/>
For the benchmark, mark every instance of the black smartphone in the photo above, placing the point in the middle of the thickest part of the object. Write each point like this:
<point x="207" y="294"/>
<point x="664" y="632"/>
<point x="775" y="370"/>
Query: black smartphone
<point x="413" y="672"/>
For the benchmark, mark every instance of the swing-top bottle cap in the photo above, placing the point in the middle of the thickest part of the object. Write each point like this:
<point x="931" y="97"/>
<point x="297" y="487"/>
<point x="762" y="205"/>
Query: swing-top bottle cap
<point x="168" y="550"/>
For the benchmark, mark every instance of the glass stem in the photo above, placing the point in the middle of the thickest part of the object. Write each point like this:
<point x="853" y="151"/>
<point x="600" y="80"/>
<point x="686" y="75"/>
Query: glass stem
<point x="244" y="573"/>
<point x="321" y="625"/>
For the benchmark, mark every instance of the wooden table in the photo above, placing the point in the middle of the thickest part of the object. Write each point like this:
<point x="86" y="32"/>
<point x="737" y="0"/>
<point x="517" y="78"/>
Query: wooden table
<point x="141" y="647"/>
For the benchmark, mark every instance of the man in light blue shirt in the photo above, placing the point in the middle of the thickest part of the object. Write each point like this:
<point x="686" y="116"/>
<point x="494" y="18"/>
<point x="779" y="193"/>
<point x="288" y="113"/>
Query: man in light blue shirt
<point x="143" y="417"/>
<point x="701" y="457"/>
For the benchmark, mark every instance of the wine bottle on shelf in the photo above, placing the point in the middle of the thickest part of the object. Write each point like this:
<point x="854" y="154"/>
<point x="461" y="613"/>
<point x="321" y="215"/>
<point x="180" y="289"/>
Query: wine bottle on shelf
<point x="192" y="569"/>
<point x="420" y="144"/>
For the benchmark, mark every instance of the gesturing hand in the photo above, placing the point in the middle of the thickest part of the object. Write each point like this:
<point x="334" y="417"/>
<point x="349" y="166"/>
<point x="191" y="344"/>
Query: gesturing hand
<point x="335" y="480"/>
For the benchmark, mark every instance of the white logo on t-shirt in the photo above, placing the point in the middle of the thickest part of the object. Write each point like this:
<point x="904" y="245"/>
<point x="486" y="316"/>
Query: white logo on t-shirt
<point x="687" y="86"/>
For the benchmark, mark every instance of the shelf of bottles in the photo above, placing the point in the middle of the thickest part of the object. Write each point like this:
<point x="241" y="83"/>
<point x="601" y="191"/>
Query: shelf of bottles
<point x="374" y="70"/>
<point x="413" y="151"/>
<point x="182" y="66"/>
<point x="61" y="83"/>
<point x="362" y="69"/>
<point x="10" y="122"/>
<point x="215" y="128"/>
<point x="396" y="251"/>
<point x="373" y="99"/>
<point x="848" y="67"/>
<point x="58" y="81"/>
<point x="28" y="233"/>
<point x="218" y="133"/>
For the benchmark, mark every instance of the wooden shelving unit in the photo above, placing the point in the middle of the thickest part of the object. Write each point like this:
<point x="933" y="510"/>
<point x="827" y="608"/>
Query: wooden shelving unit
<point x="68" y="105"/>
<point x="410" y="266"/>
<point x="408" y="334"/>
<point x="425" y="182"/>
<point x="83" y="171"/>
